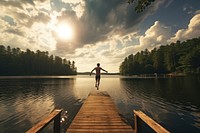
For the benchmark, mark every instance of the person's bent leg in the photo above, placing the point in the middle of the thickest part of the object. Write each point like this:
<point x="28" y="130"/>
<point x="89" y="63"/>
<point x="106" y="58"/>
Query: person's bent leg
<point x="98" y="81"/>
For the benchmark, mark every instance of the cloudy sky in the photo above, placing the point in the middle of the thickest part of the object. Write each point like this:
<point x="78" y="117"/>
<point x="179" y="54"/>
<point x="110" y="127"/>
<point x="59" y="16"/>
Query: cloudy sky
<point x="92" y="31"/>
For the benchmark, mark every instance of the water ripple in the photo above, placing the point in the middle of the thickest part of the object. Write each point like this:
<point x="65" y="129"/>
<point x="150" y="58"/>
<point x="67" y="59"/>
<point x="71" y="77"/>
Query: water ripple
<point x="24" y="102"/>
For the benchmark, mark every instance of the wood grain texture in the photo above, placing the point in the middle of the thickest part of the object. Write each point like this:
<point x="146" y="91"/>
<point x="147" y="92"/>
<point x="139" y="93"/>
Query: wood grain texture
<point x="150" y="122"/>
<point x="99" y="114"/>
<point x="56" y="114"/>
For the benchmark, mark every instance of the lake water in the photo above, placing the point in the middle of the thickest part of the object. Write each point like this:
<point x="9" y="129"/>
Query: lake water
<point x="172" y="102"/>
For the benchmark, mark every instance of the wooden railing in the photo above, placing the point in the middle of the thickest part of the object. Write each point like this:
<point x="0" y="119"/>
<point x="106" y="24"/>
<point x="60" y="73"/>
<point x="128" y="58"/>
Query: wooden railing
<point x="150" y="122"/>
<point x="55" y="115"/>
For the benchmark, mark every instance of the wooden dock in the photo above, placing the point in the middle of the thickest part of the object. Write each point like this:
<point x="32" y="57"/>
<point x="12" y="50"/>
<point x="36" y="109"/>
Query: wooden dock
<point x="99" y="114"/>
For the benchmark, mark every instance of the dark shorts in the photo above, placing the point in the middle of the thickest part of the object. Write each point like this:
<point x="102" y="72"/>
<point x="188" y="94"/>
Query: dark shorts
<point x="98" y="77"/>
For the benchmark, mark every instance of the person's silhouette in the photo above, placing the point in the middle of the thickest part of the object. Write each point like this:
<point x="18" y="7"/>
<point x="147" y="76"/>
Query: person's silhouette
<point x="98" y="74"/>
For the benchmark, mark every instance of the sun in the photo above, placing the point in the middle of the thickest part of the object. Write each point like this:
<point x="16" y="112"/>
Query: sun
<point x="65" y="31"/>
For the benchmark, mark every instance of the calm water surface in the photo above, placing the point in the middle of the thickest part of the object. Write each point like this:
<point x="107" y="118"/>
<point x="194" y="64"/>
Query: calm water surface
<point x="173" y="102"/>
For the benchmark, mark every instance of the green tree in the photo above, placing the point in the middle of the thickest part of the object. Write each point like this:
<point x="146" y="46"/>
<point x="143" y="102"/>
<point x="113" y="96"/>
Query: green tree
<point x="177" y="57"/>
<point x="140" y="5"/>
<point x="13" y="61"/>
<point x="149" y="69"/>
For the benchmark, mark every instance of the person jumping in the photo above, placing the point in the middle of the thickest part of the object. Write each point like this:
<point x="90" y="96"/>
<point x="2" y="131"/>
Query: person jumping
<point x="98" y="74"/>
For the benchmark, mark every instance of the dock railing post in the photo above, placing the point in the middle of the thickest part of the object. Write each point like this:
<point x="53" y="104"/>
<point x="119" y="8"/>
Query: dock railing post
<point x="54" y="116"/>
<point x="150" y="122"/>
<point x="56" y="125"/>
<point x="135" y="123"/>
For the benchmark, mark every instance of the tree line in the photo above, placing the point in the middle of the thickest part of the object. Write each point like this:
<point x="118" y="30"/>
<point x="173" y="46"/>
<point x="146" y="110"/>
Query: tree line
<point x="14" y="61"/>
<point x="179" y="57"/>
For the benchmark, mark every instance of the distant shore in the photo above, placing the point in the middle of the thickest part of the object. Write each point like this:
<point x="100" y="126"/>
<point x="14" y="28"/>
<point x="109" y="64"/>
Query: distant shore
<point x="88" y="73"/>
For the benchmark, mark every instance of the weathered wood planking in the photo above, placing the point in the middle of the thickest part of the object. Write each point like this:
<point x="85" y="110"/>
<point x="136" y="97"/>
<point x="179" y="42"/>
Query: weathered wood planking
<point x="55" y="115"/>
<point x="150" y="122"/>
<point x="99" y="114"/>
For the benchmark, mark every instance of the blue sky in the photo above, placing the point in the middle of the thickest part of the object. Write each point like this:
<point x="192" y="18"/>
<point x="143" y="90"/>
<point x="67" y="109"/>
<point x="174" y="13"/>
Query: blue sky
<point x="175" y="13"/>
<point x="92" y="31"/>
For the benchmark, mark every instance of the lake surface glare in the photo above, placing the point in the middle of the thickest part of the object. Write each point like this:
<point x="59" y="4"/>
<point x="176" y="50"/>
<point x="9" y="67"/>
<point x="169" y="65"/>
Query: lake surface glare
<point x="172" y="102"/>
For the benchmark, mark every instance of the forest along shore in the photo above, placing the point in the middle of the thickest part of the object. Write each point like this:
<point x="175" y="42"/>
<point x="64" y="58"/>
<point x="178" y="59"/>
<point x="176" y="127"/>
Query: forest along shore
<point x="15" y="62"/>
<point x="180" y="58"/>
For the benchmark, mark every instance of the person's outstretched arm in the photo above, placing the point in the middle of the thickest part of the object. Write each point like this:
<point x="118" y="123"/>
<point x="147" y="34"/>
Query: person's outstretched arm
<point x="104" y="70"/>
<point x="92" y="71"/>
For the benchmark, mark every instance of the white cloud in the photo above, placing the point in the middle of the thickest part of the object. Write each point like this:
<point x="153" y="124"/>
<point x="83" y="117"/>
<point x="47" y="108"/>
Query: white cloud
<point x="192" y="31"/>
<point x="156" y="35"/>
<point x="42" y="36"/>
<point x="108" y="53"/>
<point x="77" y="5"/>
<point x="111" y="53"/>
<point x="105" y="32"/>
<point x="42" y="5"/>
<point x="8" y="35"/>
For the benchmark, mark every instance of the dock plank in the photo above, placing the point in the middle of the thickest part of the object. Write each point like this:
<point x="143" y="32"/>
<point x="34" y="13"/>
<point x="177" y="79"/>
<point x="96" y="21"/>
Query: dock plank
<point x="99" y="114"/>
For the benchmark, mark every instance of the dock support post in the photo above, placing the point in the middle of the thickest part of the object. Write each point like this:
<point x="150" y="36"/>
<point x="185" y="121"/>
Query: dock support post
<point x="135" y="124"/>
<point x="54" y="116"/>
<point x="56" y="125"/>
<point x="150" y="122"/>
